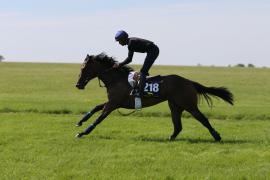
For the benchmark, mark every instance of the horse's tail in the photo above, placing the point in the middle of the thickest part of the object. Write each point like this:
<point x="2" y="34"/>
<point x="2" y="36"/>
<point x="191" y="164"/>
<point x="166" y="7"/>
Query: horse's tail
<point x="221" y="92"/>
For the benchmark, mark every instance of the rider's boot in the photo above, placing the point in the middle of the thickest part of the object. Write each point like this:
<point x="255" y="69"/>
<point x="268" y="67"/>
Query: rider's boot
<point x="134" y="91"/>
<point x="142" y="84"/>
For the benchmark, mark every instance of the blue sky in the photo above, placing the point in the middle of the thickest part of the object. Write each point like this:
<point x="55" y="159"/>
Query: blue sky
<point x="187" y="32"/>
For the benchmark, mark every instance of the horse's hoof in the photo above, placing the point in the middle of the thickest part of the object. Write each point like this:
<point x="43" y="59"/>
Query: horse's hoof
<point x="218" y="139"/>
<point x="79" y="135"/>
<point x="172" y="138"/>
<point x="78" y="124"/>
<point x="216" y="136"/>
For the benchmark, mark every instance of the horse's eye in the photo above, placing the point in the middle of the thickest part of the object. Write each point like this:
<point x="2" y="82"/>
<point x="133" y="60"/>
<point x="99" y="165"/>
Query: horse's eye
<point x="83" y="65"/>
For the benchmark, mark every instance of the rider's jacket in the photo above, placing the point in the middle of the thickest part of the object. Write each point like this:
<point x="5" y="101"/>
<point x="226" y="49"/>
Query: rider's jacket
<point x="137" y="45"/>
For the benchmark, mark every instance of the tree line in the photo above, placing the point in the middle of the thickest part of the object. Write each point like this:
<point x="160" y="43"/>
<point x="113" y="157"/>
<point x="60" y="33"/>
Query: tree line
<point x="1" y="58"/>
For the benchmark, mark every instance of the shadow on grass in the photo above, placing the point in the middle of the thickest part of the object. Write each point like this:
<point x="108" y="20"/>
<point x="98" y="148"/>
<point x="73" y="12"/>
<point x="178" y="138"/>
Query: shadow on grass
<point x="188" y="140"/>
<point x="195" y="141"/>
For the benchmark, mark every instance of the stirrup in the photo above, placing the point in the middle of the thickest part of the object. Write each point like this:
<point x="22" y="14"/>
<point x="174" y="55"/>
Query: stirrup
<point x="135" y="92"/>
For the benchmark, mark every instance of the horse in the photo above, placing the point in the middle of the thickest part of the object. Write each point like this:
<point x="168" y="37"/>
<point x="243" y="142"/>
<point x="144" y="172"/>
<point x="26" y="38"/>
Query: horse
<point x="182" y="94"/>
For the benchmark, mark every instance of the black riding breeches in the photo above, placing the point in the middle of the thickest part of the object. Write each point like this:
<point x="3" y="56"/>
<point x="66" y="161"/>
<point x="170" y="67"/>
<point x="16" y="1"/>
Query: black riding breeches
<point x="150" y="59"/>
<point x="148" y="62"/>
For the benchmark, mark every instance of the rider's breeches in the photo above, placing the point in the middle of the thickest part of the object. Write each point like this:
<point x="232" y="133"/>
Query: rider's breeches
<point x="150" y="59"/>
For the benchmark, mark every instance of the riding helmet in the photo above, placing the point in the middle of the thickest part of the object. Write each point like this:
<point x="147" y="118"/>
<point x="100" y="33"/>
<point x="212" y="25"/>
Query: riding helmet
<point x="121" y="35"/>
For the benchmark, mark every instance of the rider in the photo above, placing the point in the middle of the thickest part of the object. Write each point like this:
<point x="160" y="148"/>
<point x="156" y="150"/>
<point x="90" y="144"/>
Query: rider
<point x="138" y="45"/>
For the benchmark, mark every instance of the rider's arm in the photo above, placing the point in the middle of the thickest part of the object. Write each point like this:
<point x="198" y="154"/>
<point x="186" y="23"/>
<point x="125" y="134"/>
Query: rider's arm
<point x="128" y="59"/>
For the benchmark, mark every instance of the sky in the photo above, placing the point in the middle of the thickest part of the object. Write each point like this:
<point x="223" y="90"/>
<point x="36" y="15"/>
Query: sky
<point x="188" y="32"/>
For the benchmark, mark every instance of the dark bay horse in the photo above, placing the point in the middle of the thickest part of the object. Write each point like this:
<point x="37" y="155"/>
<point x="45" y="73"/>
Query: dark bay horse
<point x="181" y="94"/>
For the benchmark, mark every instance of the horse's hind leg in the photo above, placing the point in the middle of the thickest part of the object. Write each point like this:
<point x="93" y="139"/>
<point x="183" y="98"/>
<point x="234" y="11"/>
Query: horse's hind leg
<point x="90" y="113"/>
<point x="202" y="119"/>
<point x="176" y="113"/>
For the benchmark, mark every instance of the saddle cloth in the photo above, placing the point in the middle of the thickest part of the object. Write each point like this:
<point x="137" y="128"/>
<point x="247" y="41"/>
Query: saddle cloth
<point x="152" y="85"/>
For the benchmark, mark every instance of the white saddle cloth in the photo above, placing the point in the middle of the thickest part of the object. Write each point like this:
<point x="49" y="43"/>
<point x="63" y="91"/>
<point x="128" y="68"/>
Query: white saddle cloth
<point x="133" y="78"/>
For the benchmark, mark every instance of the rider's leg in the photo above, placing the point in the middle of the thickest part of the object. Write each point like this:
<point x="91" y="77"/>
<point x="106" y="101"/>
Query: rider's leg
<point x="148" y="62"/>
<point x="142" y="83"/>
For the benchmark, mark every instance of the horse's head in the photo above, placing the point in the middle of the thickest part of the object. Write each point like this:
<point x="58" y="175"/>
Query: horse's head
<point x="87" y="72"/>
<point x="92" y="67"/>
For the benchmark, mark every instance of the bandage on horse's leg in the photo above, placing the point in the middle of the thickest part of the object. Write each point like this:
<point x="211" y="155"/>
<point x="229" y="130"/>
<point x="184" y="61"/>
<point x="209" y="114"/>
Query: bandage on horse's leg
<point x="90" y="113"/>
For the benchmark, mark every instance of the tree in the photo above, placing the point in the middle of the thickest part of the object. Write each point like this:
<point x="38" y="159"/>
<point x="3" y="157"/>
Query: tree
<point x="251" y="65"/>
<point x="1" y="58"/>
<point x="240" y="65"/>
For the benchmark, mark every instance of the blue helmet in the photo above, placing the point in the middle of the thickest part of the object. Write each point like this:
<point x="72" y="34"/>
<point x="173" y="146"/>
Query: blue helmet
<point x="121" y="35"/>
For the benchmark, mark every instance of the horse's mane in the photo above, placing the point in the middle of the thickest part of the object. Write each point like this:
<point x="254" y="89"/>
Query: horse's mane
<point x="110" y="61"/>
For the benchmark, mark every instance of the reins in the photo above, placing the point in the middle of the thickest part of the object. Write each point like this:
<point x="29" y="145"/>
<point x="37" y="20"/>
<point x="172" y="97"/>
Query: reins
<point x="99" y="83"/>
<point x="127" y="114"/>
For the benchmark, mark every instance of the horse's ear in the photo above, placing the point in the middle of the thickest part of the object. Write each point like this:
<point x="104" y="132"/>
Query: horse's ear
<point x="87" y="58"/>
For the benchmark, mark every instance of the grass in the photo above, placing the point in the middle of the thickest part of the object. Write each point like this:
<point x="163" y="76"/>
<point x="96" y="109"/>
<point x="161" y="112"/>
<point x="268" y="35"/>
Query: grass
<point x="39" y="107"/>
<point x="125" y="148"/>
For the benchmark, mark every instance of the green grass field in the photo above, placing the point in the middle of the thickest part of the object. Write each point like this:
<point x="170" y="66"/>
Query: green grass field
<point x="39" y="106"/>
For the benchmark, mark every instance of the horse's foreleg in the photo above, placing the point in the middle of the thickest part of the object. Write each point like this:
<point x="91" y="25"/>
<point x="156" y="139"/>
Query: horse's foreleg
<point x="90" y="113"/>
<point x="176" y="113"/>
<point x="108" y="108"/>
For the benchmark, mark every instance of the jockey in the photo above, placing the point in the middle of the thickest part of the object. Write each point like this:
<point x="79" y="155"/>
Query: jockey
<point x="138" y="45"/>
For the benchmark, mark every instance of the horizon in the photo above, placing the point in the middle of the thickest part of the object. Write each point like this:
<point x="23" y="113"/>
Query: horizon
<point x="238" y="65"/>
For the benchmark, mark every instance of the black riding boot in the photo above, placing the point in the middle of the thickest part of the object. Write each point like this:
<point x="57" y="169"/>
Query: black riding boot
<point x="142" y="84"/>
